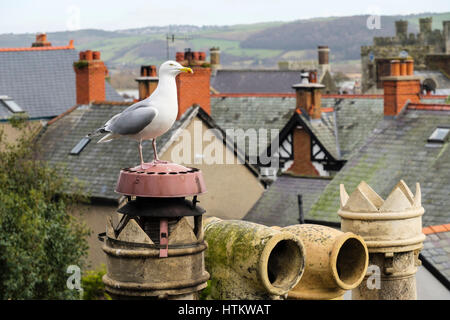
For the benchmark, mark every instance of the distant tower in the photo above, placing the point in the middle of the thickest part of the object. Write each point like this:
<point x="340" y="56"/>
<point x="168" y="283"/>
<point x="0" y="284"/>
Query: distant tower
<point x="401" y="29"/>
<point x="425" y="25"/>
<point x="446" y="33"/>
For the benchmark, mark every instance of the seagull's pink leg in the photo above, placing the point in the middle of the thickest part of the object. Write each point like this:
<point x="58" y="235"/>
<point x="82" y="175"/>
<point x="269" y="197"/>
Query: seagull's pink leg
<point x="140" y="154"/>
<point x="156" y="160"/>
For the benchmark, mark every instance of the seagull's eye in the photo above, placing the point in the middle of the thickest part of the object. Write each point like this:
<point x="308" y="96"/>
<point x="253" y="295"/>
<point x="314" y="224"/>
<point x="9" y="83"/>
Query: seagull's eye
<point x="171" y="64"/>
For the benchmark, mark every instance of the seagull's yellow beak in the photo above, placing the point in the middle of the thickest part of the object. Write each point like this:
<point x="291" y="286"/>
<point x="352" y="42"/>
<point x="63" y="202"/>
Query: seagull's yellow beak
<point x="185" y="69"/>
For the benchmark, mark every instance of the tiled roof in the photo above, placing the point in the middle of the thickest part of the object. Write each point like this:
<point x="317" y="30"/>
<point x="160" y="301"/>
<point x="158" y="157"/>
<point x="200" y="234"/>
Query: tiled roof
<point x="397" y="149"/>
<point x="357" y="117"/>
<point x="42" y="82"/>
<point x="252" y="112"/>
<point x="436" y="252"/>
<point x="98" y="165"/>
<point x="442" y="82"/>
<point x="278" y="205"/>
<point x="255" y="81"/>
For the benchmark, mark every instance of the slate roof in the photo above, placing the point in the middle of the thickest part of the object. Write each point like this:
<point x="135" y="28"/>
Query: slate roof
<point x="397" y="149"/>
<point x="278" y="205"/>
<point x="356" y="118"/>
<point x="42" y="82"/>
<point x="442" y="82"/>
<point x="98" y="165"/>
<point x="435" y="254"/>
<point x="252" y="112"/>
<point x="255" y="81"/>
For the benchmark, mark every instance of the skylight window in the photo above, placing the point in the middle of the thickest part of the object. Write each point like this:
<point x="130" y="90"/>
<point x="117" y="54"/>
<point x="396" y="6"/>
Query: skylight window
<point x="439" y="135"/>
<point x="10" y="104"/>
<point x="80" y="146"/>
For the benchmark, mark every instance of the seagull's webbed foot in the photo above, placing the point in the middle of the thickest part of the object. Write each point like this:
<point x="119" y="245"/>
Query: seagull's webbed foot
<point x="156" y="160"/>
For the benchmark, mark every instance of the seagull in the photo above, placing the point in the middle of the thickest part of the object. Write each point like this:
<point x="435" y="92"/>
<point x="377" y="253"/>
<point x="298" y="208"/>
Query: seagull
<point x="149" y="118"/>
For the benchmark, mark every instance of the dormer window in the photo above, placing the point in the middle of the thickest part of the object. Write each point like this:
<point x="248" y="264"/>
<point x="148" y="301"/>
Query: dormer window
<point x="439" y="135"/>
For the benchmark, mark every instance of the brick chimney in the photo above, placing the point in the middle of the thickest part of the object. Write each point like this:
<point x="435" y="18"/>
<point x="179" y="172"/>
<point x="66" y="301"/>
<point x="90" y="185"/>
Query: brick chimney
<point x="301" y="147"/>
<point x="308" y="94"/>
<point x="147" y="82"/>
<point x="400" y="86"/>
<point x="90" y="74"/>
<point x="193" y="88"/>
<point x="41" y="41"/>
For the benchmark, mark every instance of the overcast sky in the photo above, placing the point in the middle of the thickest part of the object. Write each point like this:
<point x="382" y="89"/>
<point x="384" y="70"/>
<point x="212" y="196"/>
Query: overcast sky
<point x="19" y="16"/>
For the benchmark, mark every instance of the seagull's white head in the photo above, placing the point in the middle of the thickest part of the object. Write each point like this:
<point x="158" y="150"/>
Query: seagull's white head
<point x="172" y="68"/>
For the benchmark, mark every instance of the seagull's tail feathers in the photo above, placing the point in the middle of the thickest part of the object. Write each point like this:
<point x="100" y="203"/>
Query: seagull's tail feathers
<point x="110" y="136"/>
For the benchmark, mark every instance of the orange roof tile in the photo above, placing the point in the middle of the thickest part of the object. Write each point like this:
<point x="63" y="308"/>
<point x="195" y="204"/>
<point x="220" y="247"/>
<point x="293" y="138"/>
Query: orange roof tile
<point x="68" y="47"/>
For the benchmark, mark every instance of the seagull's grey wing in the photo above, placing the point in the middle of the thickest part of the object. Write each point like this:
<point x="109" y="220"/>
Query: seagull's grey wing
<point x="133" y="121"/>
<point x="137" y="105"/>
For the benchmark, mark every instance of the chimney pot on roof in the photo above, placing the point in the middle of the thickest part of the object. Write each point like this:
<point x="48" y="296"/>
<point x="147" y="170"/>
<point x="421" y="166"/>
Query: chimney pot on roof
<point x="96" y="55"/>
<point x="403" y="71"/>
<point x="324" y="54"/>
<point x="88" y="55"/>
<point x="395" y="68"/>
<point x="179" y="56"/>
<point x="400" y="87"/>
<point x="41" y="41"/>
<point x="147" y="82"/>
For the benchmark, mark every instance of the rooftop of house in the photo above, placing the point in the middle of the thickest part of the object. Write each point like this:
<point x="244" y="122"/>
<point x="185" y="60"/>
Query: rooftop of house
<point x="279" y="204"/>
<point x="398" y="148"/>
<point x="436" y="252"/>
<point x="254" y="80"/>
<point x="41" y="80"/>
<point x="356" y="115"/>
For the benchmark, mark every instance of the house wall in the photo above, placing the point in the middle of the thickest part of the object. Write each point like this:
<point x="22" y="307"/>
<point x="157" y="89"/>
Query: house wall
<point x="94" y="215"/>
<point x="11" y="134"/>
<point x="231" y="188"/>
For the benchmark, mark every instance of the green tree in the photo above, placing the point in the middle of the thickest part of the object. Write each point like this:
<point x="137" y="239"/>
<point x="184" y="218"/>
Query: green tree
<point x="38" y="238"/>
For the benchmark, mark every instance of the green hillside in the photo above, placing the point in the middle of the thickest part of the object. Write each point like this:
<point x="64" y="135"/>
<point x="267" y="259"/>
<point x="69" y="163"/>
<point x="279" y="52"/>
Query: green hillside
<point x="245" y="45"/>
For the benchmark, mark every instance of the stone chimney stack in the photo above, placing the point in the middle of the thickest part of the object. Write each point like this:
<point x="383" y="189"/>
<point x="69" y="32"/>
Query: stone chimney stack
<point x="90" y="74"/>
<point x="214" y="53"/>
<point x="41" y="41"/>
<point x="400" y="87"/>
<point x="324" y="59"/>
<point x="147" y="82"/>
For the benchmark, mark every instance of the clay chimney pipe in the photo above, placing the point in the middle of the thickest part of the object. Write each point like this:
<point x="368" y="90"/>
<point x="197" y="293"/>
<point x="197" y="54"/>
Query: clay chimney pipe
<point x="409" y="67"/>
<point x="395" y="68"/>
<point x="96" y="55"/>
<point x="88" y="54"/>
<point x="403" y="71"/>
<point x="179" y="56"/>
